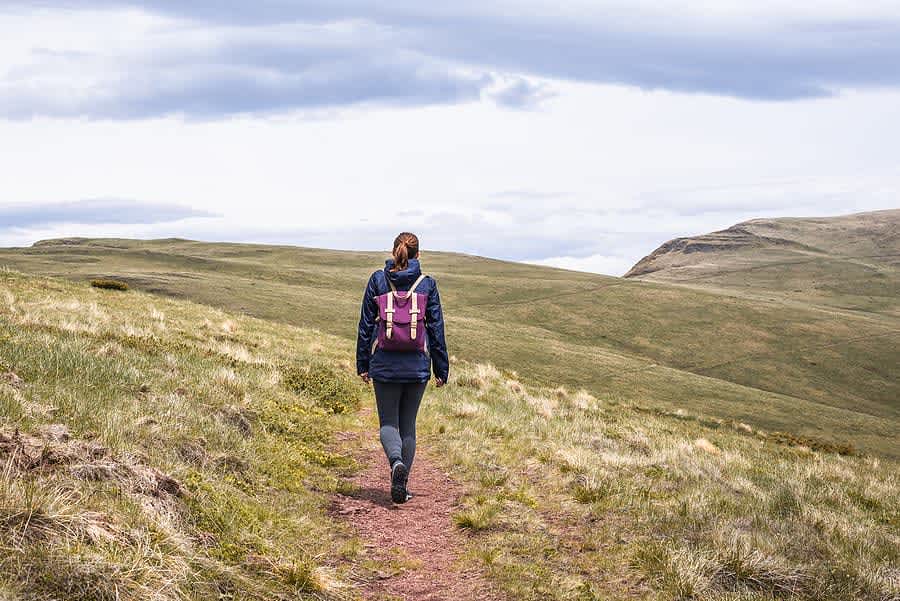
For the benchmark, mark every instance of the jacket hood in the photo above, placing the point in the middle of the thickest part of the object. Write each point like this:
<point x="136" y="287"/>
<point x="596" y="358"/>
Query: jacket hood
<point x="403" y="279"/>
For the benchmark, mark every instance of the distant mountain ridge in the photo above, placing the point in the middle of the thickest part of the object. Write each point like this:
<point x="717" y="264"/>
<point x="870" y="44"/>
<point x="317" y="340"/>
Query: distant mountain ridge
<point x="856" y="235"/>
<point x="733" y="238"/>
<point x="850" y="261"/>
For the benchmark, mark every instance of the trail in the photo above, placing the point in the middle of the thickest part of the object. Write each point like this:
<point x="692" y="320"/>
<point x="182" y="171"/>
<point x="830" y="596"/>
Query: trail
<point x="416" y="544"/>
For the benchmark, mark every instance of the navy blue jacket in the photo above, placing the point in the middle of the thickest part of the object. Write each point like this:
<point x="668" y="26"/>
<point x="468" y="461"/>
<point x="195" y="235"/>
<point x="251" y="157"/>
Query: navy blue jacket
<point x="396" y="366"/>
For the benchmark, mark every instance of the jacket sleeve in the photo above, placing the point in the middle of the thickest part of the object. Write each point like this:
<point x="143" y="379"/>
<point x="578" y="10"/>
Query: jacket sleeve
<point x="437" y="344"/>
<point x="367" y="315"/>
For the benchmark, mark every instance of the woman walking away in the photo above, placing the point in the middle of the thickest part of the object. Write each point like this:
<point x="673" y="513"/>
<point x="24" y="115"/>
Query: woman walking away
<point x="401" y="335"/>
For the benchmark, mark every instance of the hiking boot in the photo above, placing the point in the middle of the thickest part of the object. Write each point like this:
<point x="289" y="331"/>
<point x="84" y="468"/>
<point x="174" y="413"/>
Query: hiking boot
<point x="399" y="474"/>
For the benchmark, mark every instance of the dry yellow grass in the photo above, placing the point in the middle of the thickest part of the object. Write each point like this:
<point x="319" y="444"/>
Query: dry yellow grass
<point x="603" y="500"/>
<point x="200" y="458"/>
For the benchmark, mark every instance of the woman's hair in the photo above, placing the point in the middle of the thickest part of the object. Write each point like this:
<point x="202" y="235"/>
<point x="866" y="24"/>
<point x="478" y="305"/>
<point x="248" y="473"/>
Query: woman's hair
<point x="406" y="247"/>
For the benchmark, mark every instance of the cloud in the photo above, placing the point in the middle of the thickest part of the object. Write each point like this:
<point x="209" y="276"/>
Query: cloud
<point x="209" y="72"/>
<point x="764" y="198"/>
<point x="519" y="93"/>
<point x="608" y="264"/>
<point x="97" y="211"/>
<point x="469" y="231"/>
<point x="212" y="59"/>
<point x="526" y="194"/>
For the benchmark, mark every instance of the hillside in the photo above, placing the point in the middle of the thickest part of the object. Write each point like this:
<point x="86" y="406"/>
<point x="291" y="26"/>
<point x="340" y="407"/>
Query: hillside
<point x="156" y="448"/>
<point x="775" y="363"/>
<point x="850" y="262"/>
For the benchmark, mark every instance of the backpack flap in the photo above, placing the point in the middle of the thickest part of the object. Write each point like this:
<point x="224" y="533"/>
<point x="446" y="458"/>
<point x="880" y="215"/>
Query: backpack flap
<point x="400" y="314"/>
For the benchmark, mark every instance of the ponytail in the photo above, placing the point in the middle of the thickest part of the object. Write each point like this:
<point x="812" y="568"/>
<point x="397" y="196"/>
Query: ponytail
<point x="406" y="246"/>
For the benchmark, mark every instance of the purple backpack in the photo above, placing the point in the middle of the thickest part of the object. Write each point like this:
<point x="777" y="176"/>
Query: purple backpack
<point x="401" y="319"/>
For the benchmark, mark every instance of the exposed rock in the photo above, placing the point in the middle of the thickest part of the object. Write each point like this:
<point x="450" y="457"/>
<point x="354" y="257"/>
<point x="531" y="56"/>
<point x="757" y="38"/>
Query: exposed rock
<point x="737" y="237"/>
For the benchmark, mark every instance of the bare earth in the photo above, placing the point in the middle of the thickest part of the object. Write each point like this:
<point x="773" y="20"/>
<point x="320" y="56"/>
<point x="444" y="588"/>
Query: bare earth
<point x="416" y="543"/>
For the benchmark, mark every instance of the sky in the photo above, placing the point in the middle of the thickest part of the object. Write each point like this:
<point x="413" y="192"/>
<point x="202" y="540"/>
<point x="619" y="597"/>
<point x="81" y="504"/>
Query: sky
<point x="580" y="134"/>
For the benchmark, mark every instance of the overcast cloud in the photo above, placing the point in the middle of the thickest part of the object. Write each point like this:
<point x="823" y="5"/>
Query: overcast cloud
<point x="211" y="59"/>
<point x="580" y="135"/>
<point x="93" y="211"/>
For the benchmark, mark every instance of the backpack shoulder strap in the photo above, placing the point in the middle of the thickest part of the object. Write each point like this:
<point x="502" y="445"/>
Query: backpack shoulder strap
<point x="411" y="288"/>
<point x="417" y="282"/>
<point x="414" y="312"/>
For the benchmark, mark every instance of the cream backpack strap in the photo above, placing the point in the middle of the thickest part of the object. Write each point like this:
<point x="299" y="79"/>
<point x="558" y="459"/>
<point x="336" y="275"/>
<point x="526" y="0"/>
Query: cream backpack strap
<point x="412" y="288"/>
<point x="417" y="282"/>
<point x="389" y="316"/>
<point x="414" y="312"/>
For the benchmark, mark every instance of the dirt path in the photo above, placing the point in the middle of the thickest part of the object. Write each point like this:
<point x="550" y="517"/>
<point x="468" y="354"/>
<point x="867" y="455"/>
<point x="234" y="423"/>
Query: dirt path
<point x="416" y="543"/>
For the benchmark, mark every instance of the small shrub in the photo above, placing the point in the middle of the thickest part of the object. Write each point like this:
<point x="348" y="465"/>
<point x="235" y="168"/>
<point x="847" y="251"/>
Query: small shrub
<point x="477" y="518"/>
<point x="109" y="284"/>
<point x="329" y="387"/>
<point x="785" y="503"/>
<point x="590" y="488"/>
<point x="685" y="573"/>
<point x="300" y="576"/>
<point x="744" y="567"/>
<point x="493" y="475"/>
<point x="813" y="443"/>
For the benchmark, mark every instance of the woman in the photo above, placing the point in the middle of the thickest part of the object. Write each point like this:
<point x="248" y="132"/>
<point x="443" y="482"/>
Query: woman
<point x="393" y="352"/>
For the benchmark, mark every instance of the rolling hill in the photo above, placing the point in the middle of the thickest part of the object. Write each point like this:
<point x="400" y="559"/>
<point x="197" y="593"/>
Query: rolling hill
<point x="156" y="448"/>
<point x="775" y="362"/>
<point x="850" y="262"/>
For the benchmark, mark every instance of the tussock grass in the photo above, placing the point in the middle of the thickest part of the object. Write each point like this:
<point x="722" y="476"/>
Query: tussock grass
<point x="480" y="516"/>
<point x="147" y="455"/>
<point x="109" y="284"/>
<point x="332" y="388"/>
<point x="199" y="457"/>
<point x="604" y="500"/>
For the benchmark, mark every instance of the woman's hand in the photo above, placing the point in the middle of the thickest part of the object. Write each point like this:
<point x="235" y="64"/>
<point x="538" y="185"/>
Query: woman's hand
<point x="438" y="382"/>
<point x="365" y="377"/>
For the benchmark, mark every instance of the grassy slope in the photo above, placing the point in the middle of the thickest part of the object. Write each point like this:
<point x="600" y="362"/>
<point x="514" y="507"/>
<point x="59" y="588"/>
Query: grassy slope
<point x="570" y="496"/>
<point x="193" y="469"/>
<point x="850" y="262"/>
<point x="773" y="363"/>
<point x="574" y="498"/>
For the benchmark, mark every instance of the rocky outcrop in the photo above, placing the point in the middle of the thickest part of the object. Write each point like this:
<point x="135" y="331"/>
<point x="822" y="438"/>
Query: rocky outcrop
<point x="736" y="237"/>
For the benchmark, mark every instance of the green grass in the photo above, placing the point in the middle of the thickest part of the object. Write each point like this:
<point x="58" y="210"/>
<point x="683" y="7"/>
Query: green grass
<point x="193" y="470"/>
<point x="576" y="497"/>
<point x="849" y="263"/>
<point x="108" y="284"/>
<point x="774" y="362"/>
<point x="202" y="456"/>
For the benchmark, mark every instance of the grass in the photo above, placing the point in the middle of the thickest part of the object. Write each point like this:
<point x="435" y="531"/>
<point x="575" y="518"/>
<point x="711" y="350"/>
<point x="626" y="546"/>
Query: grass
<point x="576" y="497"/>
<point x="848" y="262"/>
<point x="109" y="284"/>
<point x="776" y="362"/>
<point x="156" y="448"/>
<point x="179" y="464"/>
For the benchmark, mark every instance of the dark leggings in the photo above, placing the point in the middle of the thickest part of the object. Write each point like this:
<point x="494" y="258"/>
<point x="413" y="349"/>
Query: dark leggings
<point x="398" y="404"/>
